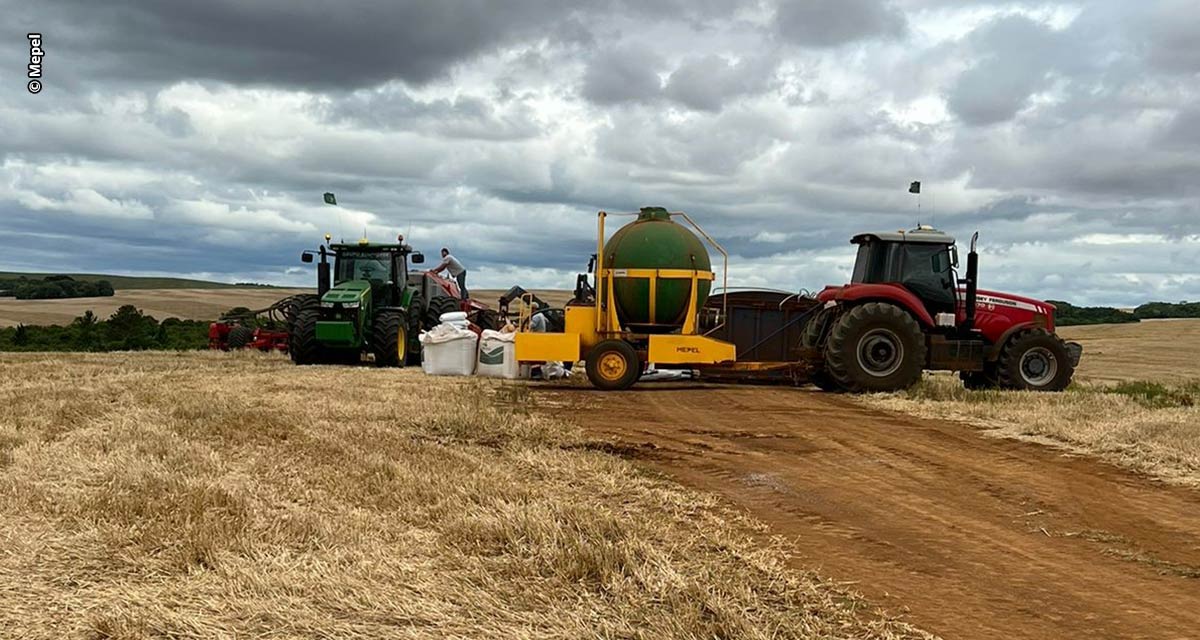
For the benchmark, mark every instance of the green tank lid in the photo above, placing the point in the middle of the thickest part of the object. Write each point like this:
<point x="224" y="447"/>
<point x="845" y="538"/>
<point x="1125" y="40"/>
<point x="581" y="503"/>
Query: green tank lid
<point x="655" y="241"/>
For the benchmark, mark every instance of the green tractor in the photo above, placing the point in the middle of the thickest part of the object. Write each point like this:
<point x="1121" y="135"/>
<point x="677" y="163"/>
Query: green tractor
<point x="367" y="303"/>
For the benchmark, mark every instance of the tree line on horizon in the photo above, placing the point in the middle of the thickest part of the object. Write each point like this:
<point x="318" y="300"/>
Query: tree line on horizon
<point x="1068" y="314"/>
<point x="129" y="329"/>
<point x="54" y="287"/>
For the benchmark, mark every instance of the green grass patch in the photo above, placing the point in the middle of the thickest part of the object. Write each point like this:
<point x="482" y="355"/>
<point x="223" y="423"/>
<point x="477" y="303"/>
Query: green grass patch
<point x="1155" y="395"/>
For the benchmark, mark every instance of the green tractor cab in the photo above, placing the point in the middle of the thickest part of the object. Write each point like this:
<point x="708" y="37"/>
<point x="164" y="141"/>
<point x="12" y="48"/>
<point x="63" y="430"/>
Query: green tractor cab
<point x="366" y="302"/>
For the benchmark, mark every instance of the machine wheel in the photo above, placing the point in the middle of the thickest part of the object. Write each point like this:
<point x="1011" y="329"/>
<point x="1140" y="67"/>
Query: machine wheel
<point x="875" y="347"/>
<point x="438" y="306"/>
<point x="302" y="337"/>
<point x="1035" y="360"/>
<point x="486" y="320"/>
<point x="979" y="380"/>
<point x="297" y="303"/>
<point x="814" y="334"/>
<point x="390" y="339"/>
<point x="613" y="365"/>
<point x="239" y="337"/>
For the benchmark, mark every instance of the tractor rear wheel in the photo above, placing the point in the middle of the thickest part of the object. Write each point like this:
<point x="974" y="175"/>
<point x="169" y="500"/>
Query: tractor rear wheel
<point x="391" y="339"/>
<point x="486" y="320"/>
<point x="875" y="347"/>
<point x="239" y="337"/>
<point x="613" y="365"/>
<point x="813" y="338"/>
<point x="438" y="306"/>
<point x="302" y="337"/>
<point x="1034" y="360"/>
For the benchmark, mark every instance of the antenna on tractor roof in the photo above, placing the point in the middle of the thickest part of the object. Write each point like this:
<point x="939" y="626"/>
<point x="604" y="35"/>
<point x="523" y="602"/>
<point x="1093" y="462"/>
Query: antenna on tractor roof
<point x="331" y="199"/>
<point x="915" y="187"/>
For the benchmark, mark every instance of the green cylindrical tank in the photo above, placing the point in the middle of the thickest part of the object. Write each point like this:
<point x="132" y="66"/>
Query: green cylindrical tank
<point x="654" y="241"/>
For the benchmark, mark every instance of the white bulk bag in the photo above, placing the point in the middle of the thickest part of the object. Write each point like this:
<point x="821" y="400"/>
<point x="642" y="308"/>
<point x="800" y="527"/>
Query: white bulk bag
<point x="447" y="350"/>
<point x="498" y="356"/>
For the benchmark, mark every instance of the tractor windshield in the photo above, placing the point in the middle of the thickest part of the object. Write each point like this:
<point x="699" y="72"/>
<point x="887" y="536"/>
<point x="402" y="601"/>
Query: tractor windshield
<point x="872" y="263"/>
<point x="374" y="267"/>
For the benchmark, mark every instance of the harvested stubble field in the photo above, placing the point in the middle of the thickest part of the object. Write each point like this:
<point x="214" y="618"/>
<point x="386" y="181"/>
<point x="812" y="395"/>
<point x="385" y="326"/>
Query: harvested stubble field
<point x="234" y="495"/>
<point x="1135" y="401"/>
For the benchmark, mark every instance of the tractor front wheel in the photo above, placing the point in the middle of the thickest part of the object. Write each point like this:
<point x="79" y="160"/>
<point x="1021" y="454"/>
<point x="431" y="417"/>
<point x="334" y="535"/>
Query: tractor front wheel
<point x="1034" y="360"/>
<point x="302" y="337"/>
<point x="391" y="339"/>
<point x="613" y="365"/>
<point x="813" y="338"/>
<point x="875" y="347"/>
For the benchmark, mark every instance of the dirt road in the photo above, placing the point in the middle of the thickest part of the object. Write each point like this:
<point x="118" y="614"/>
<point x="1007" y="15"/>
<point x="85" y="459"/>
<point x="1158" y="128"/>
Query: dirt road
<point x="974" y="537"/>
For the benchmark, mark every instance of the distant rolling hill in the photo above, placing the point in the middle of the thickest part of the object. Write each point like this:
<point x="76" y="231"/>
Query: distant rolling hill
<point x="139" y="282"/>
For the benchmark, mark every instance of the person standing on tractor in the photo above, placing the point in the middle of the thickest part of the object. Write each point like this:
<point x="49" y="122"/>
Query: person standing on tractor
<point x="455" y="269"/>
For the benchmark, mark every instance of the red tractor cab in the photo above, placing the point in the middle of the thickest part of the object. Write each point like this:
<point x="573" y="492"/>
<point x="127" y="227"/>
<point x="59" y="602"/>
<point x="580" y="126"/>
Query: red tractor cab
<point x="906" y="310"/>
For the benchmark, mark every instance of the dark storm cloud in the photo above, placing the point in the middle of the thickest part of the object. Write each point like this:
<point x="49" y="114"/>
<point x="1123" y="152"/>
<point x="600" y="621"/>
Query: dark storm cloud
<point x="625" y="73"/>
<point x="281" y="42"/>
<point x="391" y="107"/>
<point x="707" y="82"/>
<point x="1017" y="55"/>
<point x="198" y="138"/>
<point x="830" y="23"/>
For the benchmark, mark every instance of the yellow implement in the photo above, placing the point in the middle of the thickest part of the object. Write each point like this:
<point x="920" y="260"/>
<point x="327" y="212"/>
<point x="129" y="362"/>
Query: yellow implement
<point x="616" y="356"/>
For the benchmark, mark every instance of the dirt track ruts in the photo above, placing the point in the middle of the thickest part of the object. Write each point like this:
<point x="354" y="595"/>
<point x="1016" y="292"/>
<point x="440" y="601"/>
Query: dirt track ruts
<point x="970" y="537"/>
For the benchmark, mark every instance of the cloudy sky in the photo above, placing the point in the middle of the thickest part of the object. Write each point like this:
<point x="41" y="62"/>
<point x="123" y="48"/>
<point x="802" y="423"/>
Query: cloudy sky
<point x="196" y="138"/>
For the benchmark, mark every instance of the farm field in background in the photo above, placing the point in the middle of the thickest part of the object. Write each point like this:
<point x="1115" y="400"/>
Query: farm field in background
<point x="185" y="304"/>
<point x="1162" y="350"/>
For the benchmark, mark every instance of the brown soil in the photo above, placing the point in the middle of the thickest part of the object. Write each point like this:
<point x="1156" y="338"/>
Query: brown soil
<point x="972" y="537"/>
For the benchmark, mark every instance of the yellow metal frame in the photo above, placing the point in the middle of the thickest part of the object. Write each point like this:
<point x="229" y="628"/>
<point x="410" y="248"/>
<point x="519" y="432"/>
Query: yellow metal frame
<point x="585" y="328"/>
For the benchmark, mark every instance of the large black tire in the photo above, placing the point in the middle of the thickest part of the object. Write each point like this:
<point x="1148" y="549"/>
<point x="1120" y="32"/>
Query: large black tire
<point x="875" y="347"/>
<point x="979" y="380"/>
<point x="302" y="337"/>
<point x="294" y="304"/>
<point x="438" y="306"/>
<point x="391" y="339"/>
<point x="239" y="337"/>
<point x="613" y="365"/>
<point x="813" y="337"/>
<point x="486" y="320"/>
<point x="1034" y="360"/>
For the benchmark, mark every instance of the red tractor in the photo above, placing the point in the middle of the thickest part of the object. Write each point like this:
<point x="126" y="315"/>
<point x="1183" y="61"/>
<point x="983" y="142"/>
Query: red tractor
<point x="906" y="310"/>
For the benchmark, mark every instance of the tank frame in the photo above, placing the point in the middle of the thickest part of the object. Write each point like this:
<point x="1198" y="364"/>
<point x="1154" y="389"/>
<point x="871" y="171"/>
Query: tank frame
<point x="594" y="332"/>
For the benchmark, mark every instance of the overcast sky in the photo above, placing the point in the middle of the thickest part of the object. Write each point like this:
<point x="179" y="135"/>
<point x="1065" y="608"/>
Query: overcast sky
<point x="196" y="138"/>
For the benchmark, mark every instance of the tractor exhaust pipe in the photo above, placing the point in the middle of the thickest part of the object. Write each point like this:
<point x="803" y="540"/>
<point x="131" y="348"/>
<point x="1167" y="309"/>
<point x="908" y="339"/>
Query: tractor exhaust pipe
<point x="971" y="280"/>
<point x="323" y="273"/>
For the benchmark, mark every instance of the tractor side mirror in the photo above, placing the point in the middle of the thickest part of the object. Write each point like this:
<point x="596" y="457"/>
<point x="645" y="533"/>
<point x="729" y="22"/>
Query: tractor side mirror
<point x="418" y="258"/>
<point x="954" y="256"/>
<point x="306" y="257"/>
<point x="592" y="263"/>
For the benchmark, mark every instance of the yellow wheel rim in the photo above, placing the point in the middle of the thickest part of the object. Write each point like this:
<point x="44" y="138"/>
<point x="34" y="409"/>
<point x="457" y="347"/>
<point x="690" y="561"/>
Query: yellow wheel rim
<point x="402" y="345"/>
<point x="612" y="366"/>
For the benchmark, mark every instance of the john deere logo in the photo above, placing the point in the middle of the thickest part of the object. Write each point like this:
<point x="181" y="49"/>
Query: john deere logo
<point x="494" y="356"/>
<point x="686" y="350"/>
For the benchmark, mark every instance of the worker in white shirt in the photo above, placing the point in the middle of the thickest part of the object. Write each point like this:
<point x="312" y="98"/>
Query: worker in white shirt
<point x="537" y="321"/>
<point x="455" y="269"/>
